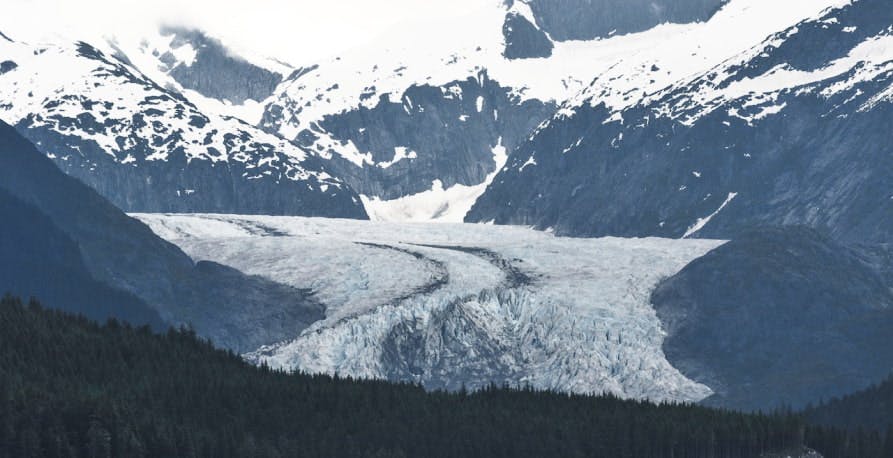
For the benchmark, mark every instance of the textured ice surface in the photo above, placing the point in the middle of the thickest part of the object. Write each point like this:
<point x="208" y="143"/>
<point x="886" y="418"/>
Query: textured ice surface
<point x="450" y="305"/>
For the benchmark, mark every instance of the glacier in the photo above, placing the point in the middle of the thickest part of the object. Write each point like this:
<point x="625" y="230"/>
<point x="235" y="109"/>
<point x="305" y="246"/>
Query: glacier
<point x="455" y="305"/>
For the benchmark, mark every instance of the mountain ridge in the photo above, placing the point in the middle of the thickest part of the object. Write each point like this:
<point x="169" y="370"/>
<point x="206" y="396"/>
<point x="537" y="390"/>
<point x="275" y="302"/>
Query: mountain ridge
<point x="722" y="150"/>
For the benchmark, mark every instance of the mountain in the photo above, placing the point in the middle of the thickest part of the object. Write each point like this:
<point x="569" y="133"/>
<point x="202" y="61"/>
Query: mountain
<point x="235" y="310"/>
<point x="139" y="394"/>
<point x="39" y="259"/>
<point x="689" y="119"/>
<point x="420" y="129"/>
<point x="779" y="317"/>
<point x="790" y="131"/>
<point x="447" y="140"/>
<point x="403" y="124"/>
<point x="213" y="75"/>
<point x="566" y="20"/>
<point x="523" y="39"/>
<point x="214" y="71"/>
<point x="414" y="125"/>
<point x="147" y="148"/>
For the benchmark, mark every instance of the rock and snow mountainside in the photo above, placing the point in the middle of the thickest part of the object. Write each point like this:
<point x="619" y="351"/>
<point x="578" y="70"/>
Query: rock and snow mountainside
<point x="566" y="20"/>
<point x="404" y="123"/>
<point x="794" y="130"/>
<point x="99" y="253"/>
<point x="212" y="75"/>
<point x="459" y="305"/>
<point x="148" y="148"/>
<point x="418" y="126"/>
<point x="417" y="121"/>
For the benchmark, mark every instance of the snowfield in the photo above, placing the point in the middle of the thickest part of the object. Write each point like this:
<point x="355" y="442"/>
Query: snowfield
<point x="451" y="305"/>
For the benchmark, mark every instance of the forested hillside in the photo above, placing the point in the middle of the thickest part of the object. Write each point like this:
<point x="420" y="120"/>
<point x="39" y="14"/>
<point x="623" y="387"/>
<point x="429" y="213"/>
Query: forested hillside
<point x="871" y="409"/>
<point x="70" y="387"/>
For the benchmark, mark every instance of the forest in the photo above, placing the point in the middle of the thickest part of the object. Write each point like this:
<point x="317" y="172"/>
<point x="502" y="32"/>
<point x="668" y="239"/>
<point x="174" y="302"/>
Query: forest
<point x="71" y="387"/>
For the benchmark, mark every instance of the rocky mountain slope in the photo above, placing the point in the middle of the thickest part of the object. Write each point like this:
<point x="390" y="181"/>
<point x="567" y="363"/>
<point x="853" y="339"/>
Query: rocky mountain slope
<point x="148" y="148"/>
<point x="566" y="20"/>
<point x="790" y="131"/>
<point x="416" y="159"/>
<point x="779" y="317"/>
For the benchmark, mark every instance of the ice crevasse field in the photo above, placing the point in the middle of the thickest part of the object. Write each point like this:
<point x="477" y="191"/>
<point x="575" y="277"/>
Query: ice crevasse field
<point x="453" y="305"/>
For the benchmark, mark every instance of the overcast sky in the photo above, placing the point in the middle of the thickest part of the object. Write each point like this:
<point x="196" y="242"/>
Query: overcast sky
<point x="295" y="30"/>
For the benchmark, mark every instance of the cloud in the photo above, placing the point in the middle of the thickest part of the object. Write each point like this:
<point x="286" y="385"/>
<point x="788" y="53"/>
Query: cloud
<point x="294" y="30"/>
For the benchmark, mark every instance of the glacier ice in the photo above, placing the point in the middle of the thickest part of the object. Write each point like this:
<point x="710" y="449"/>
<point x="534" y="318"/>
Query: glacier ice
<point x="453" y="305"/>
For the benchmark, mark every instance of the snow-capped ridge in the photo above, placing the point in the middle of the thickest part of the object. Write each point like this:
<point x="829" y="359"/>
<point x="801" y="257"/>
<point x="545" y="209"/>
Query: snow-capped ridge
<point x="102" y="117"/>
<point x="738" y="27"/>
<point x="760" y="76"/>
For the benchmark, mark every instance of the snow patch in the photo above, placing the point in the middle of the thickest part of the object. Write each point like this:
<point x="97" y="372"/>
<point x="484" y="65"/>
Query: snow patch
<point x="185" y="54"/>
<point x="400" y="153"/>
<point x="530" y="161"/>
<point x="702" y="222"/>
<point x="436" y="204"/>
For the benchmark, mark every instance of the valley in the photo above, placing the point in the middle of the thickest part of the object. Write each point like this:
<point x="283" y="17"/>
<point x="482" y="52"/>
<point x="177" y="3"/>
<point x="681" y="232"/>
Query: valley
<point x="681" y="210"/>
<point x="452" y="305"/>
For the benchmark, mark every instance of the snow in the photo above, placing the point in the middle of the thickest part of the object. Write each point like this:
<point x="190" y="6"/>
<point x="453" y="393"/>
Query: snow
<point x="426" y="53"/>
<point x="145" y="52"/>
<point x="436" y="204"/>
<point x="185" y="54"/>
<point x="249" y="111"/>
<point x="708" y="92"/>
<point x="112" y="92"/>
<point x="523" y="9"/>
<point x="400" y="153"/>
<point x="876" y="49"/>
<point x="703" y="222"/>
<point x="530" y="161"/>
<point x="691" y="50"/>
<point x="583" y="325"/>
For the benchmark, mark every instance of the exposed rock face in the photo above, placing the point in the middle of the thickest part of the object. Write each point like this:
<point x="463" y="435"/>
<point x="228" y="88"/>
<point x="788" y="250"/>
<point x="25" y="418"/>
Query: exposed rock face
<point x="588" y="19"/>
<point x="778" y="317"/>
<point x="181" y="184"/>
<point x="215" y="71"/>
<point x="399" y="147"/>
<point x="787" y="133"/>
<point x="148" y="149"/>
<point x="7" y="66"/>
<point x="524" y="40"/>
<point x="232" y="309"/>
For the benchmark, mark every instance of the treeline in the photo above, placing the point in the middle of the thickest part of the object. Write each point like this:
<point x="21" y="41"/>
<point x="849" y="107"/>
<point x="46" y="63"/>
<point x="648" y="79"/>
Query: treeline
<point x="836" y="442"/>
<point x="870" y="409"/>
<point x="855" y="426"/>
<point x="72" y="388"/>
